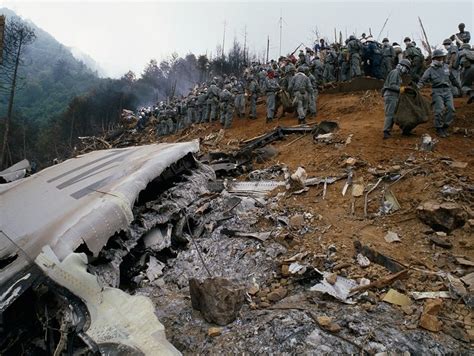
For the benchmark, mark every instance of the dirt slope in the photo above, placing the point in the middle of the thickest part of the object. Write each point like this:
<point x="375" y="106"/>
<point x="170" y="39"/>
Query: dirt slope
<point x="360" y="117"/>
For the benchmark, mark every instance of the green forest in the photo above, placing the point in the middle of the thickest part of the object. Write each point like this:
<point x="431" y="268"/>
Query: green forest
<point x="57" y="98"/>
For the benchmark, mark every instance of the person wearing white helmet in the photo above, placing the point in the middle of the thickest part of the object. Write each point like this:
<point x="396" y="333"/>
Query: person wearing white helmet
<point x="441" y="79"/>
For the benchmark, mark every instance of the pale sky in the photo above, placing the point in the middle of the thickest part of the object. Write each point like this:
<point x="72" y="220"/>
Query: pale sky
<point x="123" y="35"/>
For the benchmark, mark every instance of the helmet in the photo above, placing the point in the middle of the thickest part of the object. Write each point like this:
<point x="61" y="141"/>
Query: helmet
<point x="406" y="63"/>
<point x="290" y="68"/>
<point x="437" y="53"/>
<point x="352" y="37"/>
<point x="407" y="39"/>
<point x="466" y="46"/>
<point x="301" y="69"/>
<point x="461" y="25"/>
<point x="447" y="41"/>
<point x="385" y="40"/>
<point x="228" y="87"/>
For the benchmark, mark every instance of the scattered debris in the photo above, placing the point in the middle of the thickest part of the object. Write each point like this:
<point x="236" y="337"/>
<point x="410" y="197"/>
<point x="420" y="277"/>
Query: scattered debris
<point x="431" y="295"/>
<point x="377" y="257"/>
<point x="440" y="242"/>
<point x="392" y="237"/>
<point x="340" y="289"/>
<point x="427" y="143"/>
<point x="362" y="260"/>
<point x="397" y="298"/>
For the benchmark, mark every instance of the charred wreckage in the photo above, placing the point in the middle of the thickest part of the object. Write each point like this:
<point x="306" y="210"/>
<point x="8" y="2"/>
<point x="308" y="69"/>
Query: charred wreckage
<point x="77" y="235"/>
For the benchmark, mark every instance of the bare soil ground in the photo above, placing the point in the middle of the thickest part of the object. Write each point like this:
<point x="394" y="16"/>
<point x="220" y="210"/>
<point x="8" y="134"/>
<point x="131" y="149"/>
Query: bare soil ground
<point x="360" y="116"/>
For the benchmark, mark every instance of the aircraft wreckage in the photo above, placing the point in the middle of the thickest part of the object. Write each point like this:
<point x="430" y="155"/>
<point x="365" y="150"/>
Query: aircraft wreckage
<point x="52" y="224"/>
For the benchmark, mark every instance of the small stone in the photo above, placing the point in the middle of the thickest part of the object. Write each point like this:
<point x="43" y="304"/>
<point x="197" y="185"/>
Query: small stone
<point x="327" y="324"/>
<point x="213" y="332"/>
<point x="285" y="270"/>
<point x="362" y="260"/>
<point x="407" y="309"/>
<point x="254" y="289"/>
<point x="428" y="318"/>
<point x="297" y="221"/>
<point x="277" y="294"/>
<point x="264" y="305"/>
<point x="392" y="237"/>
<point x="441" y="233"/>
<point x="351" y="161"/>
<point x="331" y="278"/>
<point x="324" y="320"/>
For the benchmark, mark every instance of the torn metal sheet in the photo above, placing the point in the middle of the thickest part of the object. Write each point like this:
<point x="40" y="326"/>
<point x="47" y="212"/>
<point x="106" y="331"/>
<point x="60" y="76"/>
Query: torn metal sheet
<point x="15" y="172"/>
<point x="340" y="290"/>
<point x="431" y="295"/>
<point x="260" y="188"/>
<point x="261" y="236"/>
<point x="116" y="317"/>
<point x="84" y="199"/>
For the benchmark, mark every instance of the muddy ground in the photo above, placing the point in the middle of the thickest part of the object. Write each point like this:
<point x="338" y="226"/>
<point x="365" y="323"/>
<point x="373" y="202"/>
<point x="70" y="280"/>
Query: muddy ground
<point x="371" y="325"/>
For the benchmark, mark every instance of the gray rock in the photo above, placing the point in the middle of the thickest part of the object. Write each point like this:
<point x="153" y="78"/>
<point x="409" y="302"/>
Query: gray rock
<point x="445" y="216"/>
<point x="218" y="299"/>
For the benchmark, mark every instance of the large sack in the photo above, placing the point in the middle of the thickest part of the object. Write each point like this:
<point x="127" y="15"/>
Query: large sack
<point x="286" y="102"/>
<point x="412" y="109"/>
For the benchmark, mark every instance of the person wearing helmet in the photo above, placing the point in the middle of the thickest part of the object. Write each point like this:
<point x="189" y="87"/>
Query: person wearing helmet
<point x="388" y="57"/>
<point x="300" y="88"/>
<point x="451" y="58"/>
<point x="330" y="61"/>
<point x="318" y="69"/>
<point x="239" y="103"/>
<point x="343" y="61"/>
<point x="253" y="92"/>
<point x="416" y="58"/>
<point x="441" y="79"/>
<point x="463" y="35"/>
<point x="391" y="90"/>
<point x="213" y="100"/>
<point x="226" y="106"/>
<point x="312" y="96"/>
<point x="271" y="86"/>
<point x="354" y="47"/>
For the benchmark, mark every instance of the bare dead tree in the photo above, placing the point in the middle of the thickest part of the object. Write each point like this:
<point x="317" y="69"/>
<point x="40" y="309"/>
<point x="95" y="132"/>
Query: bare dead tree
<point x="17" y="37"/>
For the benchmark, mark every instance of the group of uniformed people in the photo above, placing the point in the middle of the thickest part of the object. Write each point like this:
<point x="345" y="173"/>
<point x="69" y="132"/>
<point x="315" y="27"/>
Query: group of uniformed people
<point x="450" y="73"/>
<point x="292" y="82"/>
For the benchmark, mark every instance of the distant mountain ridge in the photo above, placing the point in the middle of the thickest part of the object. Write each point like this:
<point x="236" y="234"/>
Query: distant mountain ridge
<point x="52" y="76"/>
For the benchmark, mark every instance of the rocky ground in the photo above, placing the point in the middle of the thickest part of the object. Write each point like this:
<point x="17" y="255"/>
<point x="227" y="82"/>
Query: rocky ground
<point x="320" y="228"/>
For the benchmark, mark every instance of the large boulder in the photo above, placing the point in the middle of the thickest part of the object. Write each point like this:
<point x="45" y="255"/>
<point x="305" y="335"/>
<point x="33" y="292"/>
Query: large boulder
<point x="218" y="299"/>
<point x="445" y="216"/>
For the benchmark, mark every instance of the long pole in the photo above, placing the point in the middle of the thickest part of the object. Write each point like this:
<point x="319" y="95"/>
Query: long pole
<point x="268" y="46"/>
<point x="245" y="44"/>
<point x="281" y="28"/>
<point x="383" y="27"/>
<point x="223" y="41"/>
<point x="426" y="37"/>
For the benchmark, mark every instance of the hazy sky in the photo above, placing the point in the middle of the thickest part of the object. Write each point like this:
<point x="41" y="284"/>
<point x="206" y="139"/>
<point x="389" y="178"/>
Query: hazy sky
<point x="123" y="35"/>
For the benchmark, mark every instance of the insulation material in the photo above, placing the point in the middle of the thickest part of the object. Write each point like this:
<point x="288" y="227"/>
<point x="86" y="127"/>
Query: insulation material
<point x="116" y="317"/>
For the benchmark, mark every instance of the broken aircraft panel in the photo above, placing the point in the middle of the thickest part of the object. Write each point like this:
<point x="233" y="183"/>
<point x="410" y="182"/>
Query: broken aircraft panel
<point x="82" y="201"/>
